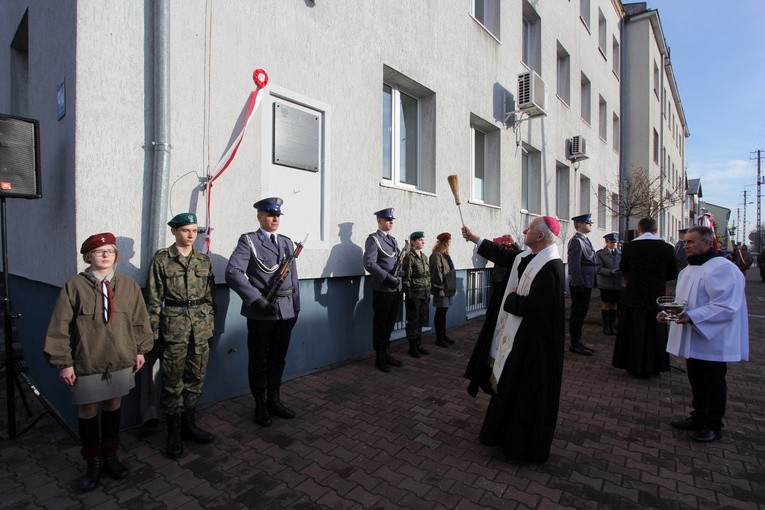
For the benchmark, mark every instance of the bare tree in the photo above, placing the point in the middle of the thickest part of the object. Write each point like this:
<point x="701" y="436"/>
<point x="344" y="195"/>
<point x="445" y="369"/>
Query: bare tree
<point x="643" y="196"/>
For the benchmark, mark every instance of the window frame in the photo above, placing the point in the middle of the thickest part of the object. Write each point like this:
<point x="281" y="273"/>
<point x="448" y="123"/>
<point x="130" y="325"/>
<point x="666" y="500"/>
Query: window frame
<point x="395" y="138"/>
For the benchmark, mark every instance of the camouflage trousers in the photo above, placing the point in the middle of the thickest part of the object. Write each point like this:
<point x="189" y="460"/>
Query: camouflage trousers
<point x="184" y="365"/>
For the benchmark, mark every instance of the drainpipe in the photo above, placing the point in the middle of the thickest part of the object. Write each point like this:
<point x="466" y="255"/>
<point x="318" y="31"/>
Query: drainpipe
<point x="160" y="181"/>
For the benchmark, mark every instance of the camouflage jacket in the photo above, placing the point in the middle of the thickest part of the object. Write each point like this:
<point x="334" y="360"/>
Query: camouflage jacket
<point x="173" y="277"/>
<point x="415" y="275"/>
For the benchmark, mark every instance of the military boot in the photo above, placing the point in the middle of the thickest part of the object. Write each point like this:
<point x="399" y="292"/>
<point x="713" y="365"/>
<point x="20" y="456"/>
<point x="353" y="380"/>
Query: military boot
<point x="381" y="362"/>
<point x="420" y="348"/>
<point x="413" y="350"/>
<point x="173" y="446"/>
<point x="394" y="362"/>
<point x="612" y="315"/>
<point x="190" y="431"/>
<point x="262" y="417"/>
<point x="275" y="405"/>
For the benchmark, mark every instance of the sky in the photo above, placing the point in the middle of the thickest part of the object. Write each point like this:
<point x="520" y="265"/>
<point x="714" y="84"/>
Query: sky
<point x="717" y="49"/>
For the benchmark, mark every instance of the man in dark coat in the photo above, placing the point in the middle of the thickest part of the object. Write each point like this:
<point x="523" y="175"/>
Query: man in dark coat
<point x="641" y="343"/>
<point x="518" y="357"/>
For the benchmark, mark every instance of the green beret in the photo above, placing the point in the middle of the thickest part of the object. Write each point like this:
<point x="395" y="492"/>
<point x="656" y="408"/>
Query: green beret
<point x="417" y="234"/>
<point x="183" y="219"/>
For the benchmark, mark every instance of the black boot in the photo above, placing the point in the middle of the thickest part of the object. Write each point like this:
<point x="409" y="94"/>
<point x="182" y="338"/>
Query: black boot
<point x="441" y="341"/>
<point x="448" y="340"/>
<point x="276" y="407"/>
<point x="420" y="348"/>
<point x="262" y="417"/>
<point x="394" y="362"/>
<point x="413" y="350"/>
<point x="173" y="446"/>
<point x="110" y="442"/>
<point x="381" y="362"/>
<point x="91" y="452"/>
<point x="606" y="321"/>
<point x="612" y="314"/>
<point x="190" y="431"/>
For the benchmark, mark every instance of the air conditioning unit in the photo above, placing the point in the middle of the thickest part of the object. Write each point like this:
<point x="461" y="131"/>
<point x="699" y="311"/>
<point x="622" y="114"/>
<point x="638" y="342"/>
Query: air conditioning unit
<point x="577" y="148"/>
<point x="531" y="94"/>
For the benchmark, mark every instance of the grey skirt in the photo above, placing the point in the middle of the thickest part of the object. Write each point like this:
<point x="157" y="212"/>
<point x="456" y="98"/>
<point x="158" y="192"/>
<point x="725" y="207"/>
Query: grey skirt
<point x="88" y="389"/>
<point x="443" y="302"/>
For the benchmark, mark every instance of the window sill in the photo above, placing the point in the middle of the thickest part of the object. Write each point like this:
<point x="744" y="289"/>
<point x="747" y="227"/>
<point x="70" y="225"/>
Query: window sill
<point x="475" y="314"/>
<point x="563" y="100"/>
<point x="602" y="52"/>
<point x="484" y="204"/>
<point x="408" y="188"/>
<point x="485" y="29"/>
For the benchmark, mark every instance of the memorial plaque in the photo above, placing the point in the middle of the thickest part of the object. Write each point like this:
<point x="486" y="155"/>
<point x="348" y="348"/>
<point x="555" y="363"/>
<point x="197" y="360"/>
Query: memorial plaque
<point x="296" y="138"/>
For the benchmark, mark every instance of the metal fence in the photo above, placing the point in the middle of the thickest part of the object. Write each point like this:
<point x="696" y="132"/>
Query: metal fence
<point x="478" y="289"/>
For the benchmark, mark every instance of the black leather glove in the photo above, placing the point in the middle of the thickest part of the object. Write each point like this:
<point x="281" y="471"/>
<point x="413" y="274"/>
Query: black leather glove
<point x="391" y="281"/>
<point x="264" y="306"/>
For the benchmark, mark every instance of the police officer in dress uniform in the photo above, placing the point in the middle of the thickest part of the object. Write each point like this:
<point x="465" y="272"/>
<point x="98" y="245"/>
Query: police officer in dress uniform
<point x="582" y="266"/>
<point x="251" y="270"/>
<point x="381" y="256"/>
<point x="610" y="281"/>
<point x="180" y="295"/>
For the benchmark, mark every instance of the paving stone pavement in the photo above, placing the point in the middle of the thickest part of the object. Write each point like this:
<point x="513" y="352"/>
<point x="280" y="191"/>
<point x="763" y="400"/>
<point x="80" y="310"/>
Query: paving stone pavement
<point x="408" y="439"/>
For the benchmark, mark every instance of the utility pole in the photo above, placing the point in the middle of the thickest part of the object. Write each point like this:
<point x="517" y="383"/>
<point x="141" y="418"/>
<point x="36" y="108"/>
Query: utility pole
<point x="758" y="238"/>
<point x="744" y="232"/>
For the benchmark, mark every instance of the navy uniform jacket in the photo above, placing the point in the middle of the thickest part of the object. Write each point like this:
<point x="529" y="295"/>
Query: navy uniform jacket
<point x="252" y="267"/>
<point x="380" y="257"/>
<point x="582" y="263"/>
<point x="606" y="263"/>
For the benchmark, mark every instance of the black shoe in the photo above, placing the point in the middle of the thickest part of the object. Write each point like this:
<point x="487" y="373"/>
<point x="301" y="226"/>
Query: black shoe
<point x="441" y="342"/>
<point x="448" y="340"/>
<point x="262" y="417"/>
<point x="114" y="467"/>
<point x="276" y="407"/>
<point x="706" y="436"/>
<point x="92" y="474"/>
<point x="686" y="424"/>
<point x="422" y="350"/>
<point x="587" y="348"/>
<point x="190" y="431"/>
<point x="580" y="349"/>
<point x="394" y="362"/>
<point x="381" y="363"/>
<point x="414" y="352"/>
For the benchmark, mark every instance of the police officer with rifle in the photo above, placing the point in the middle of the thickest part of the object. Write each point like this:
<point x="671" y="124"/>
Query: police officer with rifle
<point x="262" y="270"/>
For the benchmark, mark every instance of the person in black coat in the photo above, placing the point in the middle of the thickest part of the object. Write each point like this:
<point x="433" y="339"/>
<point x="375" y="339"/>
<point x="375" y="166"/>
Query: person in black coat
<point x="641" y="343"/>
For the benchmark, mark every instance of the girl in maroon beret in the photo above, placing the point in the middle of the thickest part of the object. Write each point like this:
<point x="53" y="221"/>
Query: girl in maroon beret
<point x="98" y="334"/>
<point x="443" y="285"/>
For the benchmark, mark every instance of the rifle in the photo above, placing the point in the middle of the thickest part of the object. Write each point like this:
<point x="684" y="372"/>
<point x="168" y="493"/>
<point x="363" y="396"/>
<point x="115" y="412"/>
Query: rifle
<point x="282" y="271"/>
<point x="400" y="262"/>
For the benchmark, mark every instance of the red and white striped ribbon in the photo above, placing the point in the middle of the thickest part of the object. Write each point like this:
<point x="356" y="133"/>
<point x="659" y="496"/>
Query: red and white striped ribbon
<point x="260" y="77"/>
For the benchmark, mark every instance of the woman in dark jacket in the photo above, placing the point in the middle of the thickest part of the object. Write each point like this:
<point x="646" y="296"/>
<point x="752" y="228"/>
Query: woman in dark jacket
<point x="443" y="285"/>
<point x="98" y="334"/>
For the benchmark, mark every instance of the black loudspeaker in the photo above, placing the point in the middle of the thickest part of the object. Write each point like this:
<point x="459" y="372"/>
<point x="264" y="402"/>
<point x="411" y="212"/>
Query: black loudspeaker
<point x="19" y="157"/>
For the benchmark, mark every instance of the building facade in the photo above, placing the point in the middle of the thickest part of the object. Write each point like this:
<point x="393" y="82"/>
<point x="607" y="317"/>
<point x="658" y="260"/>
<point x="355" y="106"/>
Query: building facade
<point x="368" y="105"/>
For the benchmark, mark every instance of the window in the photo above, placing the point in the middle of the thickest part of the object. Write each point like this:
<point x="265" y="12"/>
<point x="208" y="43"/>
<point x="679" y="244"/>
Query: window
<point x="532" y="39"/>
<point x="615" y="212"/>
<point x="531" y="180"/>
<point x="561" y="191"/>
<point x="655" y="147"/>
<point x="487" y="13"/>
<point x="564" y="75"/>
<point x="478" y="289"/>
<point x="585" y="100"/>
<point x="616" y="57"/>
<point x="485" y="138"/>
<point x="665" y="102"/>
<point x="408" y="133"/>
<point x="584" y="12"/>
<point x="584" y="195"/>
<point x="616" y="134"/>
<point x="602" y="33"/>
<point x="603" y="118"/>
<point x="602" y="207"/>
<point x="656" y="79"/>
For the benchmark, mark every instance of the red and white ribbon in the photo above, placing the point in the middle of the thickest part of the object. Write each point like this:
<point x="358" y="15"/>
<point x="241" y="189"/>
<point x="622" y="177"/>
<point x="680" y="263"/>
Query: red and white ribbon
<point x="260" y="77"/>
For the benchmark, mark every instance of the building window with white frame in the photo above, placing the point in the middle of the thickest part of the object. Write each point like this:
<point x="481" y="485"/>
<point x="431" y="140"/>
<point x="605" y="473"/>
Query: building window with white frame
<point x="585" y="99"/>
<point x="532" y="39"/>
<point x="603" y="118"/>
<point x="656" y="79"/>
<point x="408" y="133"/>
<point x="485" y="143"/>
<point x="602" y="34"/>
<point x="564" y="75"/>
<point x="602" y="207"/>
<point x="655" y="147"/>
<point x="487" y="12"/>
<point x="615" y="212"/>
<point x="616" y="133"/>
<point x="531" y="180"/>
<point x="562" y="209"/>
<point x="584" y="195"/>
<point x="616" y="57"/>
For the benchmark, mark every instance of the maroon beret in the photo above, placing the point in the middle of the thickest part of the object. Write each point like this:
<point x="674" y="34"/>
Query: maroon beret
<point x="96" y="241"/>
<point x="444" y="236"/>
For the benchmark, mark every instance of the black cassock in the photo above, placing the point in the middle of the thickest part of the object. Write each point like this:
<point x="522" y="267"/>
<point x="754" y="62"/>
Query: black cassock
<point x="522" y="414"/>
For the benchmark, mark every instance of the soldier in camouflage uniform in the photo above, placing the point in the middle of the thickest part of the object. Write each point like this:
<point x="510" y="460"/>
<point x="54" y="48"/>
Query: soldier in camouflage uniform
<point x="181" y="305"/>
<point x="415" y="278"/>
